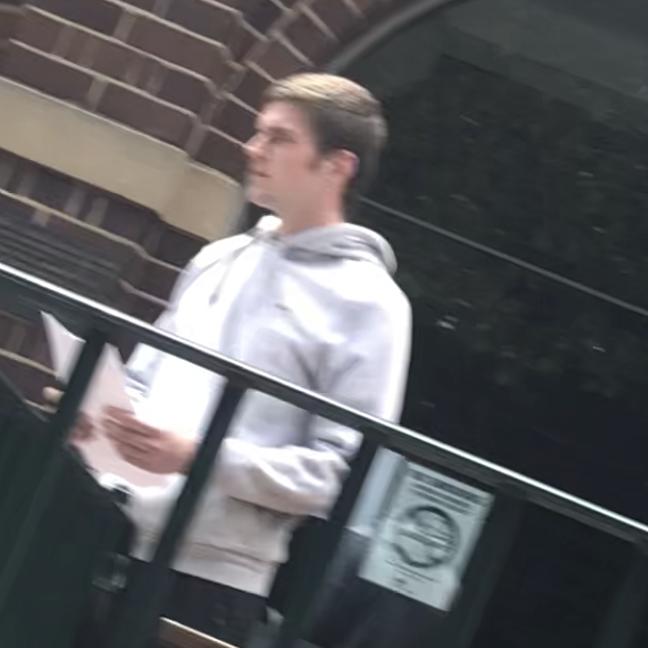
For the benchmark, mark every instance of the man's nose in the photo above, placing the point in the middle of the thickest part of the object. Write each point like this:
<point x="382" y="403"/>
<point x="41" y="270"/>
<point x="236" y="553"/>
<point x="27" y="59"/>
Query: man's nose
<point x="251" y="148"/>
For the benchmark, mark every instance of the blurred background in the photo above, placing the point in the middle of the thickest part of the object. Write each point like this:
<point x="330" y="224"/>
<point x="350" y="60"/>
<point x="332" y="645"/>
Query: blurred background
<point x="514" y="189"/>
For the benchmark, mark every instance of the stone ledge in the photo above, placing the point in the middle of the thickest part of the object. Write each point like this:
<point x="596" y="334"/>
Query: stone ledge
<point x="118" y="159"/>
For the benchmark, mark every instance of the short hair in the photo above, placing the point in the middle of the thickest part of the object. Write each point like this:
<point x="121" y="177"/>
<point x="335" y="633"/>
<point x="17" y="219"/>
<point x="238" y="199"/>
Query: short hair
<point x="343" y="115"/>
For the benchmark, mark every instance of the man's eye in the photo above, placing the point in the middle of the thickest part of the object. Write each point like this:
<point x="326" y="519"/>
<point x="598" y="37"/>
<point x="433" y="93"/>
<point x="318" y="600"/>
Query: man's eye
<point x="279" y="138"/>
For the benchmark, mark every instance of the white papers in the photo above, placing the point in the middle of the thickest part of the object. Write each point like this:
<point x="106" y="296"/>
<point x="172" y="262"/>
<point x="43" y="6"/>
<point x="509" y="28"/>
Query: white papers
<point x="107" y="388"/>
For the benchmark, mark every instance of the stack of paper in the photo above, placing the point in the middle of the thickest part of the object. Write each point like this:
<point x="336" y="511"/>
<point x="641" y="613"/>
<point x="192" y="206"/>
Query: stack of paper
<point x="107" y="388"/>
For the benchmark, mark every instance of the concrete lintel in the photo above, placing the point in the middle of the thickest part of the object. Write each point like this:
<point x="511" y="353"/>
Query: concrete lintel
<point x="118" y="159"/>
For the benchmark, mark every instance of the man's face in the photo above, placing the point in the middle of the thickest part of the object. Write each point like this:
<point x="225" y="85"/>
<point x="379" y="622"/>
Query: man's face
<point x="285" y="170"/>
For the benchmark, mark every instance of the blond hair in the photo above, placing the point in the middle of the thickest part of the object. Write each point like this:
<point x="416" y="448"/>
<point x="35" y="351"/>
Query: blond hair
<point x="343" y="115"/>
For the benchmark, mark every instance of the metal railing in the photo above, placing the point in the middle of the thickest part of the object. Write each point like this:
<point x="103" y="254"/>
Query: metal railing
<point x="512" y="490"/>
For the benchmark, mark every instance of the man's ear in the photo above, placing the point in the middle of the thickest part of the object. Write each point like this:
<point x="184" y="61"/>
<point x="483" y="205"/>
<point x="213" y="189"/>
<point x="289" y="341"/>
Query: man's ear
<point x="344" y="164"/>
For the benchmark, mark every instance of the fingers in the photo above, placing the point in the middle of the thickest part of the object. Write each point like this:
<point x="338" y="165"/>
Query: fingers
<point x="118" y="418"/>
<point x="133" y="448"/>
<point x="121" y="415"/>
<point x="51" y="395"/>
<point x="124" y="438"/>
<point x="134" y="456"/>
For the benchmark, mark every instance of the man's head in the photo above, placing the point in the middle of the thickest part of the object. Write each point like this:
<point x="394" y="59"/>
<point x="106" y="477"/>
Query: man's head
<point x="318" y="139"/>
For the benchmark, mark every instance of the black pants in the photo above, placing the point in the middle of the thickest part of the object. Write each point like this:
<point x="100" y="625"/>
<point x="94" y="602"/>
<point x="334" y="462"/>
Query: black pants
<point x="214" y="609"/>
<point x="211" y="608"/>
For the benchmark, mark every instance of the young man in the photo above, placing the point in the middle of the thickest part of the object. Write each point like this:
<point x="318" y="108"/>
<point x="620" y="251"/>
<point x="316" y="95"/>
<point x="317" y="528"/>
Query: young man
<point x="305" y="296"/>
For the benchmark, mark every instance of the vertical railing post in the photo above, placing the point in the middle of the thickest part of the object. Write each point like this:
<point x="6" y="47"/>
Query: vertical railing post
<point x="627" y="610"/>
<point x="484" y="570"/>
<point x="144" y="597"/>
<point x="302" y="597"/>
<point x="58" y="428"/>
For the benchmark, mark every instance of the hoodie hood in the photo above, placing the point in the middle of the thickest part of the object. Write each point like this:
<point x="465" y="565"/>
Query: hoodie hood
<point x="343" y="240"/>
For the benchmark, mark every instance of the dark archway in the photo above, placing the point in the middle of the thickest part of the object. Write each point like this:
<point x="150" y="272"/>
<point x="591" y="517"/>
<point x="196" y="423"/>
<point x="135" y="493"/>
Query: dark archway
<point x="522" y="126"/>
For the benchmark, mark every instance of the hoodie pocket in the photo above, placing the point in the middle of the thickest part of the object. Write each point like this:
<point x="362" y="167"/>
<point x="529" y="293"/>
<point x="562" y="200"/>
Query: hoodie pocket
<point x="233" y="525"/>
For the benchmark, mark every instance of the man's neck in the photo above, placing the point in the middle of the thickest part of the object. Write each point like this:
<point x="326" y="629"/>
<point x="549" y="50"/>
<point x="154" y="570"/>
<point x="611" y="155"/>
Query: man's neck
<point x="294" y="223"/>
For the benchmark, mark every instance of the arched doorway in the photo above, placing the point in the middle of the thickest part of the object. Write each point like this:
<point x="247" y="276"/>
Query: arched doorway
<point x="514" y="189"/>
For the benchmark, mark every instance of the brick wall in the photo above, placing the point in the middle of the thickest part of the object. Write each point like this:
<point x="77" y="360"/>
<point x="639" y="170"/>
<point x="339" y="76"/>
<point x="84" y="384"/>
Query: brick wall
<point x="186" y="73"/>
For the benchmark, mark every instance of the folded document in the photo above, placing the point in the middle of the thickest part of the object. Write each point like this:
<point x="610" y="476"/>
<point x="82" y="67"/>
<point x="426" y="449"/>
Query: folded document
<point x="107" y="388"/>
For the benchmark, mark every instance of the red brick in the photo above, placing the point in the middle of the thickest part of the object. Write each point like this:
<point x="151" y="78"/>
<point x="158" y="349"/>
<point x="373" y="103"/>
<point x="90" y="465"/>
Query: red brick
<point x="236" y="121"/>
<point x="278" y="61"/>
<point x="336" y="15"/>
<point x="186" y="90"/>
<point x="51" y="188"/>
<point x="177" y="247"/>
<point x="221" y="153"/>
<point x="244" y="41"/>
<point x="150" y="75"/>
<point x="100" y="15"/>
<point x="263" y="16"/>
<point x="10" y="18"/>
<point x="146" y="114"/>
<point x="46" y="73"/>
<point x="180" y="47"/>
<point x="124" y="218"/>
<point x="158" y="280"/>
<point x="308" y="38"/>
<point x="39" y="30"/>
<point x="75" y="46"/>
<point x="251" y="88"/>
<point x="113" y="59"/>
<point x="204" y="17"/>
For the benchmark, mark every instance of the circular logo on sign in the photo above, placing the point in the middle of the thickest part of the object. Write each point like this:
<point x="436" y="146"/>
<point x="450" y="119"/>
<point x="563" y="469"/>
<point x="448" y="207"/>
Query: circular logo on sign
<point x="426" y="537"/>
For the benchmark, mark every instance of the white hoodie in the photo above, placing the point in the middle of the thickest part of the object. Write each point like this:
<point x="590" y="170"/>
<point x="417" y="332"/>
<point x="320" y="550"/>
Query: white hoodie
<point x="317" y="308"/>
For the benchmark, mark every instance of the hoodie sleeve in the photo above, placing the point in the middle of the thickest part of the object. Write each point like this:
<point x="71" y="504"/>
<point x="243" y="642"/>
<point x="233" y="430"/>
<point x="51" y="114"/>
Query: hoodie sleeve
<point x="368" y="372"/>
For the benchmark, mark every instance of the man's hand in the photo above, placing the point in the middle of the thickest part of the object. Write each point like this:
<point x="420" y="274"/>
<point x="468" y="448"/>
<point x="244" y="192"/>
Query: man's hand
<point x="145" y="446"/>
<point x="83" y="429"/>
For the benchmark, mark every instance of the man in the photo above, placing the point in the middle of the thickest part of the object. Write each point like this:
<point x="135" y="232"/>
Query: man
<point x="305" y="296"/>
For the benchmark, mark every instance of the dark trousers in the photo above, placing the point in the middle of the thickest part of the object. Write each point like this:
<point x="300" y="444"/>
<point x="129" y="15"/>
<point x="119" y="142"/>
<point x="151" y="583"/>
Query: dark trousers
<point x="214" y="609"/>
<point x="222" y="612"/>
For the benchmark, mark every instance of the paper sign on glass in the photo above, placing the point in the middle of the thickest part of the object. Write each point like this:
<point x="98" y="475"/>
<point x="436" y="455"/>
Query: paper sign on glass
<point x="430" y="524"/>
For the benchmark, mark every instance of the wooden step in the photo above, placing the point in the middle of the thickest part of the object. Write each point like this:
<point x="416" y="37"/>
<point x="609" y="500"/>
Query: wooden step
<point x="175" y="635"/>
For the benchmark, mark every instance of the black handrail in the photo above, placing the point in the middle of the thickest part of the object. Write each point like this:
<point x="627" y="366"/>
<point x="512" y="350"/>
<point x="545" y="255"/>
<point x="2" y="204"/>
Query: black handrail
<point x="44" y="295"/>
<point x="138" y="621"/>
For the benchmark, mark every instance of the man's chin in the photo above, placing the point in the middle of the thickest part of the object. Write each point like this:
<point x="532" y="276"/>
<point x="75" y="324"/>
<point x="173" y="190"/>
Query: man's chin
<point x="259" y="199"/>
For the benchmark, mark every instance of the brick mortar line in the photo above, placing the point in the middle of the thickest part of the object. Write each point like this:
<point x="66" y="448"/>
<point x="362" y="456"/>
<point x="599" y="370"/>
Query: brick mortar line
<point x="129" y="288"/>
<point x="359" y="11"/>
<point x="253" y="65"/>
<point x="255" y="32"/>
<point x="281" y="38"/>
<point x="51" y="211"/>
<point x="126" y="6"/>
<point x="99" y="76"/>
<point x="353" y="8"/>
<point x="225" y="135"/>
<point x="318" y="22"/>
<point x="174" y="26"/>
<point x="24" y="360"/>
<point x="239" y="102"/>
<point x="113" y="41"/>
